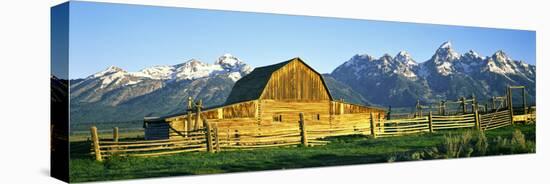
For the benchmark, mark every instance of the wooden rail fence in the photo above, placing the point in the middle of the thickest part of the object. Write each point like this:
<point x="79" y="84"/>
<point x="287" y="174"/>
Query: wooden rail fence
<point x="400" y="127"/>
<point x="108" y="148"/>
<point x="211" y="139"/>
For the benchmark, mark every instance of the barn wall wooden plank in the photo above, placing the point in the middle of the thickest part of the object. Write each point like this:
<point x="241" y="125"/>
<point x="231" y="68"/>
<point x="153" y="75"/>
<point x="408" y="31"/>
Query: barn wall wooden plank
<point x="296" y="81"/>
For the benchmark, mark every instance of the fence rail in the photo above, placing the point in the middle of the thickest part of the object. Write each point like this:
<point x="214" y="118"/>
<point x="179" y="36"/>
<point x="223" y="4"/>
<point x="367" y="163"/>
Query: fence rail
<point x="452" y="122"/>
<point x="113" y="147"/>
<point x="388" y="128"/>
<point x="211" y="139"/>
<point x="495" y="120"/>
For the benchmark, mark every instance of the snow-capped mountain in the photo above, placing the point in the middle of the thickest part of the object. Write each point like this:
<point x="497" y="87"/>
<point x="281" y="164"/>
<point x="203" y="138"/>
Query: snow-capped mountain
<point x="442" y="62"/>
<point x="400" y="80"/>
<point x="402" y="64"/>
<point x="382" y="79"/>
<point x="114" y="77"/>
<point x="189" y="70"/>
<point x="117" y="89"/>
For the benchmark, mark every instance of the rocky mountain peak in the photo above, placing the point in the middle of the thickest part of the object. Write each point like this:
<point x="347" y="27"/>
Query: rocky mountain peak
<point x="386" y="59"/>
<point x="445" y="52"/>
<point x="228" y="60"/>
<point x="357" y="59"/>
<point x="446" y="45"/>
<point x="192" y="63"/>
<point x="114" y="68"/>
<point x="233" y="64"/>
<point x="472" y="54"/>
<point x="500" y="56"/>
<point x="403" y="54"/>
<point x="111" y="70"/>
<point x="362" y="57"/>
<point x="405" y="58"/>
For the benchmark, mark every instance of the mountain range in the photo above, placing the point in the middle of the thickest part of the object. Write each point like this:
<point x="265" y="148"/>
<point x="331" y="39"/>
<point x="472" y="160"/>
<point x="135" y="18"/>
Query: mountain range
<point x="401" y="81"/>
<point x="117" y="95"/>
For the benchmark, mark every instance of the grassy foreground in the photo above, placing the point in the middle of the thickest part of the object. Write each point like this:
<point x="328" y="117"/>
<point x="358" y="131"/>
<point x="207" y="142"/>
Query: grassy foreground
<point x="343" y="150"/>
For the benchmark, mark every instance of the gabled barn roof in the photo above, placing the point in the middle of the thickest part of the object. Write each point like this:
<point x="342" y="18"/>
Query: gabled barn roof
<point x="251" y="86"/>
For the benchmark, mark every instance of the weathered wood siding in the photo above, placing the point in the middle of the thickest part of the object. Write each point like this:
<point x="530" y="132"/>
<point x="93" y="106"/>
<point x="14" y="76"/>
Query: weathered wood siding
<point x="296" y="82"/>
<point x="264" y="116"/>
<point x="239" y="114"/>
<point x="240" y="110"/>
<point x="337" y="108"/>
<point x="284" y="113"/>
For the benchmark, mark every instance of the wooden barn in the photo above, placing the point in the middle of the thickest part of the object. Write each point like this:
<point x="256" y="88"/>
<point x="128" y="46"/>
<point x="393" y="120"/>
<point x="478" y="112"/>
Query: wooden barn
<point x="270" y="98"/>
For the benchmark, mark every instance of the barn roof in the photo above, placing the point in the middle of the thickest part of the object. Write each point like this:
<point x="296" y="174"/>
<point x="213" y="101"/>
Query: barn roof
<point x="251" y="86"/>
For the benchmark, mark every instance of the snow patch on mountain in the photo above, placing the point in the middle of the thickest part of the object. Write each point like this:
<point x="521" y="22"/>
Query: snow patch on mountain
<point x="445" y="68"/>
<point x="194" y="69"/>
<point x="365" y="65"/>
<point x="405" y="58"/>
<point x="235" y="76"/>
<point x="156" y="72"/>
<point x="108" y="71"/>
<point x="189" y="70"/>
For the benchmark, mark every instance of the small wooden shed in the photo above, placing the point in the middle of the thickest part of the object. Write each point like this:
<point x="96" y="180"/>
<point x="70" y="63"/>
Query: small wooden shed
<point x="271" y="98"/>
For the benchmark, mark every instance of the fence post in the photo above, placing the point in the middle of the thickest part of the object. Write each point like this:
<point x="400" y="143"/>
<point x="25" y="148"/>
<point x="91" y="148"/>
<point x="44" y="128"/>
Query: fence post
<point x="510" y="104"/>
<point x="494" y="103"/>
<point x="523" y="94"/>
<point x="198" y="106"/>
<point x="474" y="103"/>
<point x="441" y="108"/>
<point x="463" y="104"/>
<point x="381" y="124"/>
<point x="430" y="125"/>
<point x="476" y="118"/>
<point x="95" y="139"/>
<point x="303" y="132"/>
<point x="189" y="113"/>
<point x="216" y="138"/>
<point x="115" y="134"/>
<point x="389" y="114"/>
<point x="208" y="136"/>
<point x="418" y="109"/>
<point x="372" y="126"/>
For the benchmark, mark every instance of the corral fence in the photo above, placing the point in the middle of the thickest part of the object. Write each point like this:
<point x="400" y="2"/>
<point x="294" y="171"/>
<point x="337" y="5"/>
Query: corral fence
<point x="467" y="105"/>
<point x="207" y="139"/>
<point x="211" y="139"/>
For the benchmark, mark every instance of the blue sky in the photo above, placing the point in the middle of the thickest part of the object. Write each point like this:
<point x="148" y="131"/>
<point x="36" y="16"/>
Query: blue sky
<point x="134" y="37"/>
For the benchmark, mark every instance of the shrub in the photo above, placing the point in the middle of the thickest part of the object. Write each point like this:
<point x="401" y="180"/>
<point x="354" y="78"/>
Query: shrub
<point x="475" y="143"/>
<point x="462" y="145"/>
<point x="518" y="140"/>
<point x="481" y="145"/>
<point x="520" y="144"/>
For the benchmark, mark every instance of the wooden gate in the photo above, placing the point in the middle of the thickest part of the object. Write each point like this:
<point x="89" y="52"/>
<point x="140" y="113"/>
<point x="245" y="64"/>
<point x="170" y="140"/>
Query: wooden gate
<point x="495" y="120"/>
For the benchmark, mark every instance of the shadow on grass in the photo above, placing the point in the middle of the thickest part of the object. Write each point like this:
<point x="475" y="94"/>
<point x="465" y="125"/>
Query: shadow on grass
<point x="295" y="162"/>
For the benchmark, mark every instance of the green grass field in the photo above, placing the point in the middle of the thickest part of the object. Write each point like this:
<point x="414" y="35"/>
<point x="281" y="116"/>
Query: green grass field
<point x="343" y="150"/>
